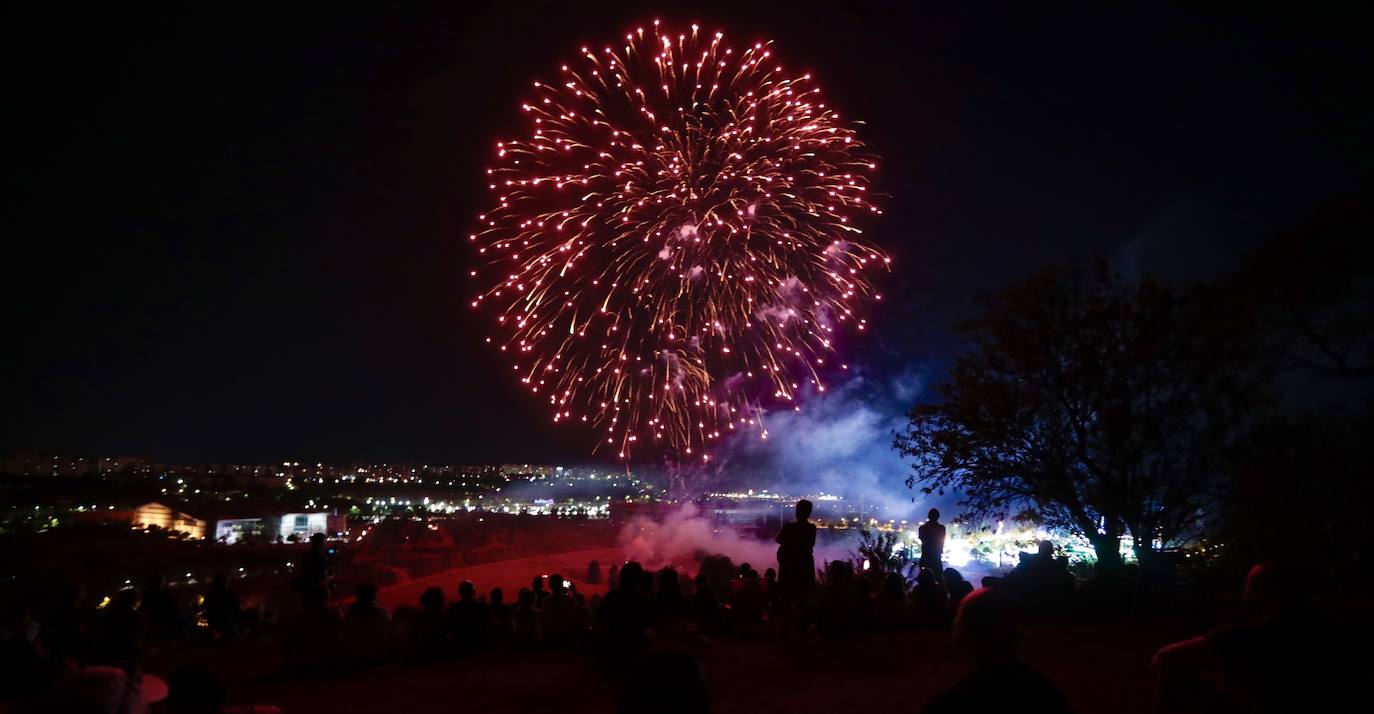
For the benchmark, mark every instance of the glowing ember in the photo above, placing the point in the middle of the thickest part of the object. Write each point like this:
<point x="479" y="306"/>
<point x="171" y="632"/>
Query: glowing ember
<point x="675" y="246"/>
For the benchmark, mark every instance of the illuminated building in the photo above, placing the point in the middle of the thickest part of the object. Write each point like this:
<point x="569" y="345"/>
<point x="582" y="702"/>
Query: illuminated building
<point x="156" y="514"/>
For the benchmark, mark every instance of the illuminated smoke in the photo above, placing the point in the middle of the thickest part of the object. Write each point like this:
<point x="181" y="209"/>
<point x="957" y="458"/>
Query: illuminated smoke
<point x="685" y="534"/>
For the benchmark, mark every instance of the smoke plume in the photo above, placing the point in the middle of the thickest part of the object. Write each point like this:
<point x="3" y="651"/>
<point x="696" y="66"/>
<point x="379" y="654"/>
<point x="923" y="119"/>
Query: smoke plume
<point x="840" y="442"/>
<point x="684" y="536"/>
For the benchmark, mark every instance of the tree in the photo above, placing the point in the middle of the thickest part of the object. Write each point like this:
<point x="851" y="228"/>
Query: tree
<point x="1300" y="493"/>
<point x="1308" y="293"/>
<point x="884" y="552"/>
<point x="1306" y="298"/>
<point x="1102" y="408"/>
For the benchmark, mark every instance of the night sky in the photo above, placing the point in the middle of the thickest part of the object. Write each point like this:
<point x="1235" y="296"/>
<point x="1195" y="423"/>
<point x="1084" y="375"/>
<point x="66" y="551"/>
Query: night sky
<point x="240" y="236"/>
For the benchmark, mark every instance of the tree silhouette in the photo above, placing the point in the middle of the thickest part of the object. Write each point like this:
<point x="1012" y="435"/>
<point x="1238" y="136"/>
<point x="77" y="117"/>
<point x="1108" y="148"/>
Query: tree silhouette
<point x="884" y="552"/>
<point x="1104" y="408"/>
<point x="1308" y="292"/>
<point x="1306" y="298"/>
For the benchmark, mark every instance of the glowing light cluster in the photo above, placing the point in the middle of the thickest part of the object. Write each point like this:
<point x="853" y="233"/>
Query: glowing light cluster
<point x="674" y="246"/>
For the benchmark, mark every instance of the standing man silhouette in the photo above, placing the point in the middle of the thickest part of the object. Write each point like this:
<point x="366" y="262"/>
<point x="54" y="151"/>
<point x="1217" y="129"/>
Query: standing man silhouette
<point x="315" y="570"/>
<point x="797" y="566"/>
<point x="932" y="535"/>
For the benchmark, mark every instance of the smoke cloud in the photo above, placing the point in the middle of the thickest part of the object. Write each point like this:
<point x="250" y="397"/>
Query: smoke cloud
<point x="684" y="535"/>
<point x="840" y="442"/>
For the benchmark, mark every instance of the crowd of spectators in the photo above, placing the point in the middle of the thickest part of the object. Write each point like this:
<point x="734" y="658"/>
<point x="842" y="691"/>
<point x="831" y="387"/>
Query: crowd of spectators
<point x="62" y="655"/>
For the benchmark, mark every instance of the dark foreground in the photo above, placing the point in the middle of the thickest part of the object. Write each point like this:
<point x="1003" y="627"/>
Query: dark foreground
<point x="1101" y="668"/>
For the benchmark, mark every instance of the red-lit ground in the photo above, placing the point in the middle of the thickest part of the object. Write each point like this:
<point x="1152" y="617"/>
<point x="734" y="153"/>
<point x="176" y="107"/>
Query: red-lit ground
<point x="509" y="575"/>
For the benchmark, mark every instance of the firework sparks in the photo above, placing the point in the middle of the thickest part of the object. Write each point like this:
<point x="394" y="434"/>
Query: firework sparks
<point x="675" y="246"/>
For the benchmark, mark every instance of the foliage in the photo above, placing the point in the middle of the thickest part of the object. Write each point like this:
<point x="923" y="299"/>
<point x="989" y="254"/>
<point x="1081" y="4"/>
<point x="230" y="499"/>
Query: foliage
<point x="1301" y="491"/>
<point x="1305" y="298"/>
<point x="884" y="552"/>
<point x="1307" y="294"/>
<point x="1107" y="407"/>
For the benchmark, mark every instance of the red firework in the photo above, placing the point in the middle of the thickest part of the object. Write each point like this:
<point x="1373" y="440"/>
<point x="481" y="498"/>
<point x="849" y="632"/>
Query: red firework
<point x="674" y="247"/>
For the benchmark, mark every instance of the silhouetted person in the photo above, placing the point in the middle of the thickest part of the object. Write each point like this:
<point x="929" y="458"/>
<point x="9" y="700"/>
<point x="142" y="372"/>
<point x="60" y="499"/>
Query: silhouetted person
<point x="159" y="608"/>
<point x="890" y="603"/>
<point x="613" y="577"/>
<point x="537" y="585"/>
<point x="222" y="608"/>
<point x="467" y="619"/>
<point x="500" y="615"/>
<point x="525" y="618"/>
<point x="932" y="536"/>
<point x="706" y="608"/>
<point x="957" y="587"/>
<point x="721" y="573"/>
<point x="772" y="594"/>
<point x="105" y="690"/>
<point x="1274" y="662"/>
<point x="314" y="571"/>
<point x="838" y="614"/>
<point x="66" y="634"/>
<point x="1042" y="581"/>
<point x="864" y="596"/>
<point x="430" y="633"/>
<point x="563" y="616"/>
<point x="366" y="628"/>
<point x="666" y="680"/>
<point x="194" y="690"/>
<point x="929" y="601"/>
<point x="746" y="599"/>
<point x="594" y="572"/>
<point x="313" y="637"/>
<point x="672" y="611"/>
<point x="647" y="585"/>
<point x="987" y="630"/>
<point x="121" y="633"/>
<point x="797" y="565"/>
<point x="625" y="613"/>
<point x="23" y="669"/>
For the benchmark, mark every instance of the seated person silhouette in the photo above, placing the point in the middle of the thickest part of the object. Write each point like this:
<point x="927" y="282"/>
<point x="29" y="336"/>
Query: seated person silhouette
<point x="987" y="630"/>
<point x="667" y="679"/>
<point x="957" y="587"/>
<point x="467" y="619"/>
<point x="1042" y="581"/>
<point x="366" y="631"/>
<point x="1273" y="662"/>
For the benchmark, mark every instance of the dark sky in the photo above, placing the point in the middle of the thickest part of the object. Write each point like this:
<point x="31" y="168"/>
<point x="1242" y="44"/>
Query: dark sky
<point x="239" y="236"/>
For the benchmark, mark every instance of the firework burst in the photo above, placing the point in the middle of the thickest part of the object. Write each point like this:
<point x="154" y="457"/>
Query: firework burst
<point x="674" y="247"/>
